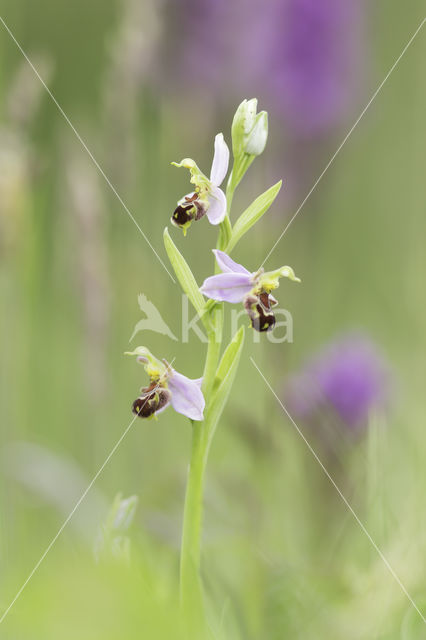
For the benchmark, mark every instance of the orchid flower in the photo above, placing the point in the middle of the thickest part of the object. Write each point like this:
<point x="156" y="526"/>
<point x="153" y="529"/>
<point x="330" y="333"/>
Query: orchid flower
<point x="167" y="386"/>
<point x="207" y="198"/>
<point x="253" y="289"/>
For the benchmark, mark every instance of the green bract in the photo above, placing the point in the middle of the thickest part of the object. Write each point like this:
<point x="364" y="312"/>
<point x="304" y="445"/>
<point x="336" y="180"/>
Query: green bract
<point x="223" y="382"/>
<point x="184" y="275"/>
<point x="252" y="214"/>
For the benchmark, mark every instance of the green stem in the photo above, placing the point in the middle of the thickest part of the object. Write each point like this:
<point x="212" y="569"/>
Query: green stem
<point x="190" y="580"/>
<point x="225" y="233"/>
<point x="213" y="349"/>
<point x="230" y="188"/>
<point x="191" y="591"/>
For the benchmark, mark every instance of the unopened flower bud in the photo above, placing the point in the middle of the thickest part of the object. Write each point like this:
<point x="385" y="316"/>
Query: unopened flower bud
<point x="256" y="140"/>
<point x="249" y="131"/>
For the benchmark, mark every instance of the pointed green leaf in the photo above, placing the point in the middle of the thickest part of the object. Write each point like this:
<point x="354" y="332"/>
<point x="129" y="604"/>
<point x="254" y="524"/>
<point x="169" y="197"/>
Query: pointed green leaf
<point x="224" y="380"/>
<point x="252" y="214"/>
<point x="230" y="354"/>
<point x="184" y="275"/>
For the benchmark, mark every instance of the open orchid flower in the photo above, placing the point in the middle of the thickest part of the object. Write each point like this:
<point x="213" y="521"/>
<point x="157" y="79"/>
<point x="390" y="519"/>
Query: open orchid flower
<point x="207" y="198"/>
<point x="253" y="289"/>
<point x="167" y="386"/>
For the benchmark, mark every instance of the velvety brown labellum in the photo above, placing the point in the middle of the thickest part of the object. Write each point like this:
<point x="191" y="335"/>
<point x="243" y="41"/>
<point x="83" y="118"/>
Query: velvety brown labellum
<point x="191" y="209"/>
<point x="184" y="214"/>
<point x="201" y="210"/>
<point x="262" y="320"/>
<point x="267" y="300"/>
<point x="259" y="311"/>
<point x="150" y="401"/>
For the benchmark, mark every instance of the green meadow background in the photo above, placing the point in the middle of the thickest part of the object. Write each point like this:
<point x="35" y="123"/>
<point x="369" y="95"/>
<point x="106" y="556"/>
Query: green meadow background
<point x="282" y="557"/>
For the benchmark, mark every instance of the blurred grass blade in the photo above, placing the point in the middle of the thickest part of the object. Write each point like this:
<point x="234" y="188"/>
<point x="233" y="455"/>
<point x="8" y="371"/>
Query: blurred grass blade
<point x="184" y="275"/>
<point x="224" y="380"/>
<point x="112" y="539"/>
<point x="252" y="214"/>
<point x="122" y="513"/>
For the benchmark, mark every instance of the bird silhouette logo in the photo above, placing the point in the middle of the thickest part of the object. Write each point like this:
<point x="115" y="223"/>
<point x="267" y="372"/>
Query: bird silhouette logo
<point x="153" y="320"/>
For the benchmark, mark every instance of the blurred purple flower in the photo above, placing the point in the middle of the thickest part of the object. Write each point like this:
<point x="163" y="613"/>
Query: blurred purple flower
<point x="203" y="36"/>
<point x="350" y="376"/>
<point x="312" y="57"/>
<point x="301" y="55"/>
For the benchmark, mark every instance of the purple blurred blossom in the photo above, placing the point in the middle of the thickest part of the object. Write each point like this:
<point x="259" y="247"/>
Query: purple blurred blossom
<point x="202" y="31"/>
<point x="300" y="56"/>
<point x="349" y="376"/>
<point x="312" y="59"/>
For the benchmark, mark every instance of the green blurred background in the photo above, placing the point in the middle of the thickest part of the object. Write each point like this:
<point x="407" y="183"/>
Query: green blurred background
<point x="283" y="557"/>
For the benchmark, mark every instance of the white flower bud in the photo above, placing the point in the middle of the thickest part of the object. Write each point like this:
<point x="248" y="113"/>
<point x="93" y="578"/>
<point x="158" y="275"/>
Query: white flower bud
<point x="249" y="114"/>
<point x="256" y="139"/>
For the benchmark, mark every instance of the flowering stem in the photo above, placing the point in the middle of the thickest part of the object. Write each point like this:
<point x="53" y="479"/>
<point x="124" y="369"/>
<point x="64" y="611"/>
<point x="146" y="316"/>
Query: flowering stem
<point x="213" y="349"/>
<point x="225" y="230"/>
<point x="190" y="581"/>
<point x="225" y="233"/>
<point x="249" y="133"/>
<point x="230" y="188"/>
<point x="215" y="395"/>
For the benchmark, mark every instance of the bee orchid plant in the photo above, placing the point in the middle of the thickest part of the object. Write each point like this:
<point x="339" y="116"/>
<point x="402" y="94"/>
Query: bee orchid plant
<point x="203" y="400"/>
